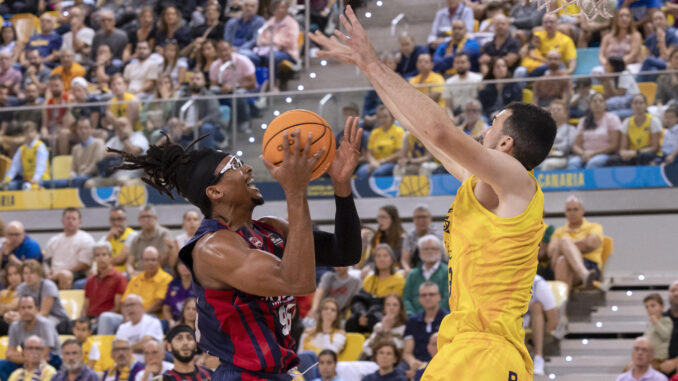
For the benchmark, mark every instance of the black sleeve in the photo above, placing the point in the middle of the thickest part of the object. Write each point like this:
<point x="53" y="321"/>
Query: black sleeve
<point x="344" y="247"/>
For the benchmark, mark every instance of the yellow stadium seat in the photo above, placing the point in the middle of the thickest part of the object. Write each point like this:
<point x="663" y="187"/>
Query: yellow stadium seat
<point x="560" y="291"/>
<point x="649" y="89"/>
<point x="574" y="121"/>
<point x="353" y="347"/>
<point x="5" y="162"/>
<point x="527" y="95"/>
<point x="105" y="345"/>
<point x="25" y="25"/>
<point x="598" y="89"/>
<point x="476" y="26"/>
<point x="62" y="166"/>
<point x="4" y="343"/>
<point x="608" y="247"/>
<point x="72" y="300"/>
<point x="63" y="338"/>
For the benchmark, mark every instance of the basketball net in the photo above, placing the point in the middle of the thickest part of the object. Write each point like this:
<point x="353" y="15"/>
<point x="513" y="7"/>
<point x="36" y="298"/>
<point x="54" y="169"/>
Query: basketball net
<point x="591" y="9"/>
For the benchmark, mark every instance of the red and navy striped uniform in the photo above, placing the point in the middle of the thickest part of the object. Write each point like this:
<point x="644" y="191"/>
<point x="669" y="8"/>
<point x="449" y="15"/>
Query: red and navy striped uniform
<point x="199" y="374"/>
<point x="250" y="334"/>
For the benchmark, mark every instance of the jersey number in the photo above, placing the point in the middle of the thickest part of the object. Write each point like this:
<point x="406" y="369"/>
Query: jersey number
<point x="285" y="314"/>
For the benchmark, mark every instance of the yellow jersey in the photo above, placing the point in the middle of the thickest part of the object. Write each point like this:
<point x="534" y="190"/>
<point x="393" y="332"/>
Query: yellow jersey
<point x="492" y="264"/>
<point x="431" y="79"/>
<point x="586" y="229"/>
<point x="380" y="288"/>
<point x="415" y="149"/>
<point x="640" y="135"/>
<point x="29" y="158"/>
<point x="117" y="245"/>
<point x="560" y="42"/>
<point x="121" y="109"/>
<point x="385" y="143"/>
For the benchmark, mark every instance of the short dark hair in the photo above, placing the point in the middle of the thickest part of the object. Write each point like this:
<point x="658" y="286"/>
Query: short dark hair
<point x="583" y="82"/>
<point x="72" y="209"/>
<point x="328" y="352"/>
<point x="55" y="77"/>
<point x="654" y="296"/>
<point x="85" y="321"/>
<point x="672" y="109"/>
<point x="386" y="343"/>
<point x="118" y="208"/>
<point x="71" y="342"/>
<point x="533" y="131"/>
<point x="462" y="54"/>
<point x="29" y="125"/>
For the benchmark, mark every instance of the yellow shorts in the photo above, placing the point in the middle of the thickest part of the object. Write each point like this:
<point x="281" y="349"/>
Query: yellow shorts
<point x="478" y="356"/>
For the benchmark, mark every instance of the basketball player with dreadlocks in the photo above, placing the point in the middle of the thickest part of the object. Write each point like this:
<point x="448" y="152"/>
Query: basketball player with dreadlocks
<point x="244" y="269"/>
<point x="494" y="226"/>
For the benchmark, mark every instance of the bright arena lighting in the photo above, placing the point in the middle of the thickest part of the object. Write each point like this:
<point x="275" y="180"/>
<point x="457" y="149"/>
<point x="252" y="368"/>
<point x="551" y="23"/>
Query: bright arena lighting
<point x="288" y="99"/>
<point x="585" y="341"/>
<point x="379" y="3"/>
<point x="251" y="139"/>
<point x="264" y="126"/>
<point x="239" y="153"/>
<point x="368" y="14"/>
<point x="300" y="87"/>
<point x="629" y="293"/>
<point x="312" y="75"/>
<point x="599" y="324"/>
<point x="276" y="112"/>
<point x="641" y="277"/>
<point x="323" y="63"/>
<point x="615" y="308"/>
<point x="552" y="376"/>
<point x="568" y="358"/>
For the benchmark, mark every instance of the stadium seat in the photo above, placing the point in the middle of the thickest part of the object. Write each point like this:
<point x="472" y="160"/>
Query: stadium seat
<point x="62" y="166"/>
<point x="4" y="343"/>
<point x="353" y="347"/>
<point x="608" y="247"/>
<point x="4" y="165"/>
<point x="105" y="345"/>
<point x="560" y="291"/>
<point x="72" y="300"/>
<point x="649" y="89"/>
<point x="587" y="59"/>
<point x="598" y="89"/>
<point x="63" y="338"/>
<point x="527" y="95"/>
<point x="25" y="25"/>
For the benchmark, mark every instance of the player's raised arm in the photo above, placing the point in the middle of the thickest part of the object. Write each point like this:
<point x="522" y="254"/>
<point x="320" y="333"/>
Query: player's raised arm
<point x="458" y="152"/>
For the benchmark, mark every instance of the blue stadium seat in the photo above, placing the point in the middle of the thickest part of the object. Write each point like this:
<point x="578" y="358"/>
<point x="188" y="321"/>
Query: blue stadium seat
<point x="587" y="59"/>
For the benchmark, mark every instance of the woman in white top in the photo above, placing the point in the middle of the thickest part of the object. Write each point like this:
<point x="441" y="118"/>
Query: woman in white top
<point x="620" y="87"/>
<point x="327" y="333"/>
<point x="173" y="65"/>
<point x="8" y="40"/>
<point x="391" y="326"/>
<point x="190" y="224"/>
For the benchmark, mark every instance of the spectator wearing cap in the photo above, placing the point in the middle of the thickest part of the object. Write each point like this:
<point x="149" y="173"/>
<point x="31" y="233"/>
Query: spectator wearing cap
<point x="18" y="246"/>
<point x="502" y="45"/>
<point x="442" y="23"/>
<point x="461" y="41"/>
<point x="138" y="329"/>
<point x="407" y="56"/>
<point x="47" y="42"/>
<point x="126" y="367"/>
<point x="241" y="32"/>
<point x="30" y="163"/>
<point x="109" y="35"/>
<point x="68" y="255"/>
<point x="641" y="358"/>
<point x="69" y="69"/>
<point x="73" y="367"/>
<point x="181" y="343"/>
<point x="79" y="39"/>
<point x="35" y="366"/>
<point x="103" y="290"/>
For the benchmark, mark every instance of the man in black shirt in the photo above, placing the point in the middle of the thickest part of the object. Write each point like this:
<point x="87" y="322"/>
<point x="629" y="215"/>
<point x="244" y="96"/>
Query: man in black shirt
<point x="181" y="343"/>
<point x="671" y="365"/>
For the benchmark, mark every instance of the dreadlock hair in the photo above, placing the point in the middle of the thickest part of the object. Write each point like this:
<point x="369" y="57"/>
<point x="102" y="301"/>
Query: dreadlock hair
<point x="169" y="166"/>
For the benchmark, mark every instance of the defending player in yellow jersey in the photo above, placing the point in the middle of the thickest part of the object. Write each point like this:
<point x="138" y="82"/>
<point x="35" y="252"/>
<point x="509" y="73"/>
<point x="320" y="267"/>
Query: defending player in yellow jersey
<point x="495" y="223"/>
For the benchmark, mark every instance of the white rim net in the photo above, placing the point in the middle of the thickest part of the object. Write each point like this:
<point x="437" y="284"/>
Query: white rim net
<point x="591" y="9"/>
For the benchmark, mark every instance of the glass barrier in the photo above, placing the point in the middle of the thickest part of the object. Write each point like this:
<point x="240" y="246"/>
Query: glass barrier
<point x="240" y="129"/>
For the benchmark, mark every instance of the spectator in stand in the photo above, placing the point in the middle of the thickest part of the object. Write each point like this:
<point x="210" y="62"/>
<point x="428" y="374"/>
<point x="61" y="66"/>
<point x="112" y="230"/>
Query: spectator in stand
<point x="190" y="224"/>
<point x="576" y="249"/>
<point x="30" y="112"/>
<point x="473" y="123"/>
<point x="565" y="136"/>
<point x="18" y="246"/>
<point x="407" y="57"/>
<point x="125" y="367"/>
<point x="385" y="141"/>
<point x="54" y="129"/>
<point x="640" y="134"/>
<point x="80" y="97"/>
<point x="212" y="29"/>
<point x="109" y="35"/>
<point x="35" y="72"/>
<point x="427" y="77"/>
<point x="178" y="290"/>
<point x="671" y="365"/>
<point x="73" y="367"/>
<point x="68" y="255"/>
<point x="598" y="136"/>
<point x="47" y="42"/>
<point x="550" y="38"/>
<point x="660" y="45"/>
<point x="172" y="27"/>
<point x="579" y="102"/>
<point x="502" y="45"/>
<point x="142" y="73"/>
<point x="623" y="41"/>
<point x="421" y="326"/>
<point x="86" y="154"/>
<point x="495" y="96"/>
<point x="667" y="84"/>
<point x="670" y="138"/>
<point x="431" y="270"/>
<point x="194" y="118"/>
<point x="546" y="89"/>
<point x="125" y="139"/>
<point x="413" y="158"/>
<point x="642" y="12"/>
<point x="658" y="329"/>
<point x="461" y="41"/>
<point x="103" y="68"/>
<point x="372" y="101"/>
<point x="174" y="65"/>
<point x="641" y="358"/>
<point x="619" y="87"/>
<point x="91" y="355"/>
<point x="9" y="298"/>
<point x="432" y="349"/>
<point x="391" y="326"/>
<point x="151" y="284"/>
<point x="79" y="39"/>
<point x="8" y="40"/>
<point x="241" y="32"/>
<point x="35" y="366"/>
<point x="525" y="15"/>
<point x="421" y="216"/>
<point x="189" y="312"/>
<point x="461" y="87"/>
<point x="182" y="345"/>
<point x="327" y="366"/>
<point x="541" y="317"/>
<point x="234" y="73"/>
<point x="139" y="328"/>
<point x="389" y="231"/>
<point x="152" y="234"/>
<point x="338" y="285"/>
<point x="30" y="165"/>
<point x="203" y="56"/>
<point x="145" y="31"/>
<point x="281" y="32"/>
<point x="387" y="356"/>
<point x="30" y="324"/>
<point x="327" y="333"/>
<point x="120" y="237"/>
<point x="9" y="76"/>
<point x="154" y="364"/>
<point x="103" y="290"/>
<point x="442" y="23"/>
<point x="385" y="279"/>
<point x="45" y="294"/>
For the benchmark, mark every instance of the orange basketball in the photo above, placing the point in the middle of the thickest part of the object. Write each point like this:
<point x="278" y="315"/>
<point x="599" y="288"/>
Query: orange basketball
<point x="308" y="122"/>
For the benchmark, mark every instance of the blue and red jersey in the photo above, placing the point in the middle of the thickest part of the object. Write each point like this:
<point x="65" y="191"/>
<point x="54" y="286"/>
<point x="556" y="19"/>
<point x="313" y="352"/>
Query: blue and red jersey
<point x="250" y="334"/>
